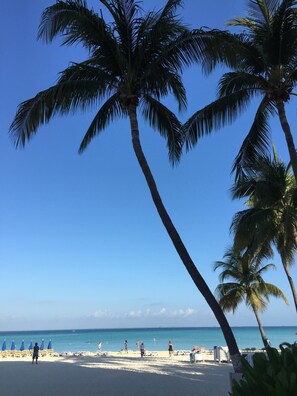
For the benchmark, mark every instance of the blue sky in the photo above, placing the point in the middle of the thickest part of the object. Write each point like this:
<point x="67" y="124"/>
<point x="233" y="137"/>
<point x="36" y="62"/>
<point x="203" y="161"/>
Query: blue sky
<point x="81" y="244"/>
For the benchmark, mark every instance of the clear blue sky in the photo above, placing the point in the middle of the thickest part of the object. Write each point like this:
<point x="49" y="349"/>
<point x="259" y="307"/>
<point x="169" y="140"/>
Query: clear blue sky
<point x="81" y="244"/>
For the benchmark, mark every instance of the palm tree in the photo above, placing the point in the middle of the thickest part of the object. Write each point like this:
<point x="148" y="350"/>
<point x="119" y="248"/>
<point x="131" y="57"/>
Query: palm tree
<point x="133" y="62"/>
<point x="245" y="270"/>
<point x="263" y="60"/>
<point x="271" y="216"/>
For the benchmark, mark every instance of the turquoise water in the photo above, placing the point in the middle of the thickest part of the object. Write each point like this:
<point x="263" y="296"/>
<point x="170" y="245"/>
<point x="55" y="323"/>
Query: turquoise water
<point x="154" y="339"/>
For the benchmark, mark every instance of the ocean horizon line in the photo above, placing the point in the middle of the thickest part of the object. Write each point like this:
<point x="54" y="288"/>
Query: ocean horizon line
<point x="140" y="328"/>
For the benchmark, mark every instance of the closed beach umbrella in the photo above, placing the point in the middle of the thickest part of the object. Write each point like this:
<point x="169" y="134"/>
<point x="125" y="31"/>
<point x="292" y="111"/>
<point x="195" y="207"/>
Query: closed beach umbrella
<point x="4" y="345"/>
<point x="31" y="346"/>
<point x="12" y="346"/>
<point x="42" y="345"/>
<point x="50" y="345"/>
<point x="22" y="347"/>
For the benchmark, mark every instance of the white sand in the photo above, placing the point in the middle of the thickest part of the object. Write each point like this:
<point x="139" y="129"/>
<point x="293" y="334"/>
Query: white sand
<point x="116" y="374"/>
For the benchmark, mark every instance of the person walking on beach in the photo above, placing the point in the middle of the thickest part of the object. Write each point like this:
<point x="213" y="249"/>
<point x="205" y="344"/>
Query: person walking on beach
<point x="142" y="349"/>
<point x="99" y="346"/>
<point x="126" y="346"/>
<point x="35" y="352"/>
<point x="170" y="348"/>
<point x="137" y="345"/>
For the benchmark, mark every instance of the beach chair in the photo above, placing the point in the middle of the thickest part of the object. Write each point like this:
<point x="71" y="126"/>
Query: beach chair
<point x="50" y="352"/>
<point x="43" y="352"/>
<point x="25" y="353"/>
<point x="196" y="356"/>
<point x="17" y="354"/>
<point x="221" y="354"/>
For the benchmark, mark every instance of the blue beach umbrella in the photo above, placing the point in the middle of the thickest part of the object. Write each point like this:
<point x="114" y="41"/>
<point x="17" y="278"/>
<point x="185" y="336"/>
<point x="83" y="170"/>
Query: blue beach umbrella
<point x="31" y="346"/>
<point x="42" y="345"/>
<point x="4" y="345"/>
<point x="22" y="347"/>
<point x="12" y="346"/>
<point x="50" y="345"/>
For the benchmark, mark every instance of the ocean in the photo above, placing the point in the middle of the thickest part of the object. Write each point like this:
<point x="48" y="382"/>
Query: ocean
<point x="155" y="339"/>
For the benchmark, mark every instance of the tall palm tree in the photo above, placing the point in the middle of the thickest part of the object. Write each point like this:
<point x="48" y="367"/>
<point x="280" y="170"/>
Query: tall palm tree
<point x="245" y="270"/>
<point x="271" y="214"/>
<point x="263" y="60"/>
<point x="133" y="62"/>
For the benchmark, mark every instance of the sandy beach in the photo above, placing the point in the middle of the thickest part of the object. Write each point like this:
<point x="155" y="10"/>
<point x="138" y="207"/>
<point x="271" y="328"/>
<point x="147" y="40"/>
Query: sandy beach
<point x="115" y="374"/>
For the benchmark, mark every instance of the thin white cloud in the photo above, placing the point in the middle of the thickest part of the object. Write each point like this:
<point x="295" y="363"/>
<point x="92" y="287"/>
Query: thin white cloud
<point x="148" y="313"/>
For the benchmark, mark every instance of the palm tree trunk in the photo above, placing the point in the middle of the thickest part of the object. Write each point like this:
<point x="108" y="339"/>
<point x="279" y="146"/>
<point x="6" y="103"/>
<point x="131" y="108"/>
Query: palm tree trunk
<point x="179" y="246"/>
<point x="289" y="138"/>
<point x="292" y="285"/>
<point x="263" y="335"/>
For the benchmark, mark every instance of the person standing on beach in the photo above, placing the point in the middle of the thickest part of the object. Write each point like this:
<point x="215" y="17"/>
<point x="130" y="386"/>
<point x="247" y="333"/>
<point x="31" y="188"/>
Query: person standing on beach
<point x="170" y="348"/>
<point x="126" y="346"/>
<point x="142" y="349"/>
<point x="137" y="345"/>
<point x="35" y="352"/>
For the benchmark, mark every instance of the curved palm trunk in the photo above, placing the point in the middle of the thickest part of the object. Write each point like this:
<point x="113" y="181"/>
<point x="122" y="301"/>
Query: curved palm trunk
<point x="291" y="282"/>
<point x="179" y="246"/>
<point x="289" y="138"/>
<point x="263" y="335"/>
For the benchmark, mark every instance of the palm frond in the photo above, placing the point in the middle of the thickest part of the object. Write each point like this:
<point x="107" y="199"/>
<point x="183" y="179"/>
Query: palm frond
<point x="125" y="15"/>
<point x="160" y="82"/>
<point x="229" y="296"/>
<point x="220" y="47"/>
<point x="31" y="114"/>
<point x="253" y="227"/>
<point x="108" y="112"/>
<point x="255" y="145"/>
<point x="162" y="119"/>
<point x="78" y="24"/>
<point x="236" y="81"/>
<point x="272" y="290"/>
<point x="284" y="36"/>
<point x="214" y="116"/>
<point x="65" y="97"/>
<point x="73" y="19"/>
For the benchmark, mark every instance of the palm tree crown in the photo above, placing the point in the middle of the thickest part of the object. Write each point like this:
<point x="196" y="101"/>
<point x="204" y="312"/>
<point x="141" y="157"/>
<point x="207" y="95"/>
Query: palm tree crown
<point x="265" y="66"/>
<point x="134" y="59"/>
<point x="245" y="271"/>
<point x="271" y="214"/>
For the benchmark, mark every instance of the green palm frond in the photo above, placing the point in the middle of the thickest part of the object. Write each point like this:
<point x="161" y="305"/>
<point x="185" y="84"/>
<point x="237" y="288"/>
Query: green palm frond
<point x="260" y="12"/>
<point x="256" y="143"/>
<point x="65" y="97"/>
<point x="79" y="24"/>
<point x="183" y="49"/>
<point x="109" y="111"/>
<point x="31" y="114"/>
<point x="162" y="119"/>
<point x="254" y="227"/>
<point x="229" y="296"/>
<point x="242" y="21"/>
<point x="74" y="20"/>
<point x="160" y="82"/>
<point x="236" y="81"/>
<point x="125" y="15"/>
<point x="214" y="116"/>
<point x="274" y="291"/>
